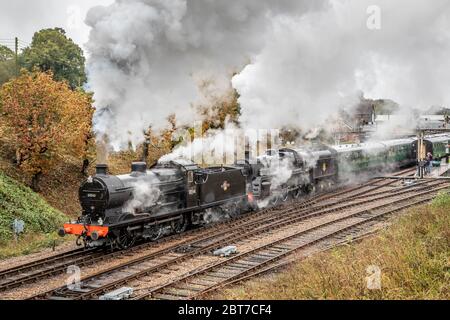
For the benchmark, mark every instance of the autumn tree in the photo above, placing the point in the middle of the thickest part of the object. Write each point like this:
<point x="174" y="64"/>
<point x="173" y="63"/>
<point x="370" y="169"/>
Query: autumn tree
<point x="158" y="144"/>
<point x="154" y="145"/>
<point x="47" y="120"/>
<point x="221" y="110"/>
<point x="80" y="139"/>
<point x="51" y="50"/>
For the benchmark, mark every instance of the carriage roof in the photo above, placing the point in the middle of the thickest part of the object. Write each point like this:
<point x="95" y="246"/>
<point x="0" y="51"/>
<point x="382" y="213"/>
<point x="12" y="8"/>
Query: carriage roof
<point x="438" y="138"/>
<point x="370" y="147"/>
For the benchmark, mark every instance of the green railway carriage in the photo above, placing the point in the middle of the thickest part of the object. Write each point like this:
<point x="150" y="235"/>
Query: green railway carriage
<point x="377" y="156"/>
<point x="439" y="146"/>
<point x="400" y="152"/>
<point x="353" y="159"/>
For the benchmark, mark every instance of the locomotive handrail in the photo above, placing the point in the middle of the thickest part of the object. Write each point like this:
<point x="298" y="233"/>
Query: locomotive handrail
<point x="124" y="189"/>
<point x="159" y="184"/>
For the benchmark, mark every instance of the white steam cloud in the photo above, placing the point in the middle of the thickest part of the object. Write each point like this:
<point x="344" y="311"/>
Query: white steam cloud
<point x="312" y="65"/>
<point x="148" y="58"/>
<point x="279" y="169"/>
<point x="296" y="61"/>
<point x="214" y="147"/>
<point x="146" y="194"/>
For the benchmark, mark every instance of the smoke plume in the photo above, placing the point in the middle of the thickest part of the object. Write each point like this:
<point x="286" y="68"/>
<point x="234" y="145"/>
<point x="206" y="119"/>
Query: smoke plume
<point x="146" y="193"/>
<point x="312" y="65"/>
<point x="149" y="57"/>
<point x="295" y="62"/>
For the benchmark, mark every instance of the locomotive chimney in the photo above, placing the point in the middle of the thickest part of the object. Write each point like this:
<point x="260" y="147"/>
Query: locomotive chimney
<point x="248" y="153"/>
<point x="247" y="156"/>
<point x="140" y="167"/>
<point x="101" y="169"/>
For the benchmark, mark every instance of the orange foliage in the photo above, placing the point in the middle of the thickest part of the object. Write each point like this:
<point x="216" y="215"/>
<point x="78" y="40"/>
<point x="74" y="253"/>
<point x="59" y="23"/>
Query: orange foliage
<point x="46" y="120"/>
<point x="221" y="110"/>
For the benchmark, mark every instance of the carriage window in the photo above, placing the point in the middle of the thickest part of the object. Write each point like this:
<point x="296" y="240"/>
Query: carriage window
<point x="190" y="176"/>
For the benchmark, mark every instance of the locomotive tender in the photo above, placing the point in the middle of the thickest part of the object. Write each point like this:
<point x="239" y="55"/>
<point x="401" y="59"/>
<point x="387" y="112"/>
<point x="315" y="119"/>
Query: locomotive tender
<point x="170" y="197"/>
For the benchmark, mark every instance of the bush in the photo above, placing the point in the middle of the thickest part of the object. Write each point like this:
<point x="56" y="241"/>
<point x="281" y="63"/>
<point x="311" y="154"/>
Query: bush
<point x="18" y="201"/>
<point x="442" y="200"/>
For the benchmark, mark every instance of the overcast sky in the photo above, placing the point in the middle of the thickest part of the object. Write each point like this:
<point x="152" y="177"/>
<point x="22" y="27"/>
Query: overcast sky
<point x="21" y="18"/>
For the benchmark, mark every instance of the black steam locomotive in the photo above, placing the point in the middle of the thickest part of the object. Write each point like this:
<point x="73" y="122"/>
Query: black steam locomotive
<point x="172" y="196"/>
<point x="149" y="204"/>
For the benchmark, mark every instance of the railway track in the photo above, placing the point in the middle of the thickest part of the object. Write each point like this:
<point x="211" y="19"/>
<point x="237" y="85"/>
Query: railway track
<point x="274" y="267"/>
<point x="372" y="185"/>
<point x="224" y="234"/>
<point x="266" y="257"/>
<point x="38" y="263"/>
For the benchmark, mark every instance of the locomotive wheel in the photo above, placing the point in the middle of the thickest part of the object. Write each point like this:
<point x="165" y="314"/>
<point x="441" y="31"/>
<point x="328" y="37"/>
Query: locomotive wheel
<point x="311" y="189"/>
<point x="275" y="200"/>
<point x="79" y="242"/>
<point x="322" y="186"/>
<point x="233" y="211"/>
<point x="296" y="193"/>
<point x="330" y="185"/>
<point x="157" y="234"/>
<point x="284" y="196"/>
<point x="213" y="215"/>
<point x="208" y="216"/>
<point x="125" y="240"/>
<point x="179" y="226"/>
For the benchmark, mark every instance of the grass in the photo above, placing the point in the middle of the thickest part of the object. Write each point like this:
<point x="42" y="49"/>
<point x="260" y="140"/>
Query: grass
<point x="413" y="255"/>
<point x="31" y="243"/>
<point x="41" y="220"/>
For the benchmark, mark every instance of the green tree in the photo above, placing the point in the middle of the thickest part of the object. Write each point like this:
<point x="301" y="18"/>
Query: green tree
<point x="7" y="64"/>
<point x="51" y="50"/>
<point x="6" y="53"/>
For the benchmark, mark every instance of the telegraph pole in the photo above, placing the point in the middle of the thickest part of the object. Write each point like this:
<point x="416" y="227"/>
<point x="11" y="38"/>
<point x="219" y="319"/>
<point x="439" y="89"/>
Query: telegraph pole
<point x="16" y="49"/>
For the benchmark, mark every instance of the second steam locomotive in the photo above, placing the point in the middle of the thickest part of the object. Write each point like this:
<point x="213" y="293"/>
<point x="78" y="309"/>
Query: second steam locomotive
<point x="170" y="197"/>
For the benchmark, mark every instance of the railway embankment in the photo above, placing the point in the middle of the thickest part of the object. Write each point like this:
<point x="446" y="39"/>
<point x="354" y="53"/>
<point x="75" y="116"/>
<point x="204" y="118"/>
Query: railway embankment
<point x="409" y="259"/>
<point x="20" y="203"/>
